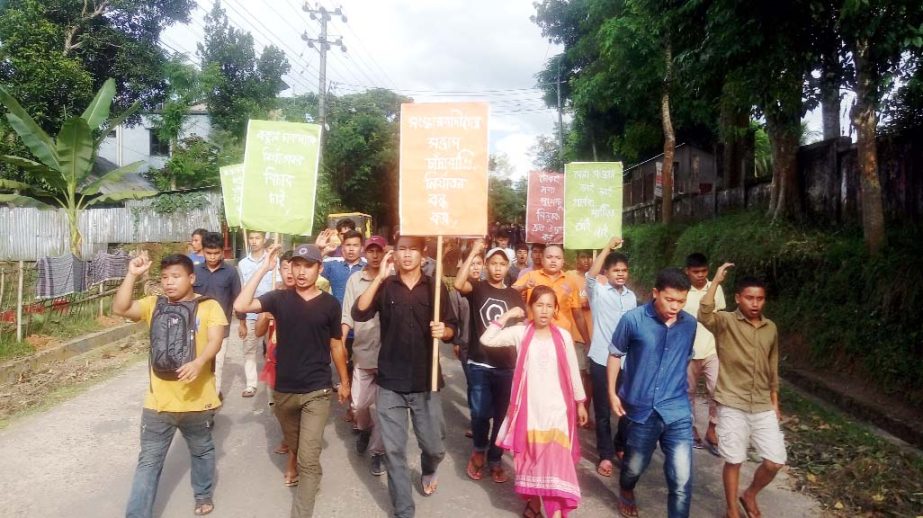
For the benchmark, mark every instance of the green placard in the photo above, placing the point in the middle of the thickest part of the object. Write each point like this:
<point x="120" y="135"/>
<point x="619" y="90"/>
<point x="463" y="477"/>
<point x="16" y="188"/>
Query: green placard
<point x="232" y="186"/>
<point x="592" y="204"/>
<point x="280" y="176"/>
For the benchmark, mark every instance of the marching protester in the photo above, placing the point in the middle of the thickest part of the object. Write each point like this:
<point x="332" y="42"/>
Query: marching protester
<point x="220" y="281"/>
<point x="195" y="246"/>
<point x="308" y="335"/>
<point x="490" y="370"/>
<point x="748" y="388"/>
<point x="546" y="406"/>
<point x="181" y="390"/>
<point x="520" y="262"/>
<point x="655" y="341"/>
<point x="248" y="267"/>
<point x="366" y="344"/>
<point x="609" y="301"/>
<point x="536" y="254"/>
<point x="404" y="304"/>
<point x="704" y="356"/>
<point x="582" y="341"/>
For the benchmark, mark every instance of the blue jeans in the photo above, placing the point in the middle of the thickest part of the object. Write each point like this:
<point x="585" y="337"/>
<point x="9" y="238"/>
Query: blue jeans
<point x="676" y="442"/>
<point x="157" y="431"/>
<point x="425" y="409"/>
<point x="488" y="397"/>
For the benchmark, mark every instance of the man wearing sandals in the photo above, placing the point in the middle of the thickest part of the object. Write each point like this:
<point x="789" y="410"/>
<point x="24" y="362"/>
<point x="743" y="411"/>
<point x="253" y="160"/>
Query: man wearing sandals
<point x="404" y="304"/>
<point x="657" y="339"/>
<point x="186" y="403"/>
<point x="748" y="388"/>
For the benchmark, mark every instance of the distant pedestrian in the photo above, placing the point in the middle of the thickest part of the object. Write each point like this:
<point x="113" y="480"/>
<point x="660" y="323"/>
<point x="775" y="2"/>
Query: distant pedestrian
<point x="490" y="370"/>
<point x="546" y="406"/>
<point x="535" y="256"/>
<point x="184" y="398"/>
<point x="656" y="342"/>
<point x="366" y="345"/>
<point x="609" y="301"/>
<point x="404" y="304"/>
<point x="195" y="246"/>
<point x="704" y="356"/>
<point x="748" y="388"/>
<point x="308" y="333"/>
<point x="246" y="331"/>
<point x="219" y="280"/>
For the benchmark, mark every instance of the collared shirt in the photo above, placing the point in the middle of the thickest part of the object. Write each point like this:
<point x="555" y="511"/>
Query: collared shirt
<point x="704" y="340"/>
<point x="338" y="271"/>
<point x="655" y="374"/>
<point x="247" y="267"/>
<point x="223" y="285"/>
<point x="749" y="357"/>
<point x="566" y="288"/>
<point x="522" y="273"/>
<point x="608" y="305"/>
<point x="367" y="335"/>
<point x="406" y="355"/>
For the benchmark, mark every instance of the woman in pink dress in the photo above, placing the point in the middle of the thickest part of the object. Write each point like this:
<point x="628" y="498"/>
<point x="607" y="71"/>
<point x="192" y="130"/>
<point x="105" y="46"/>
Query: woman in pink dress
<point x="546" y="406"/>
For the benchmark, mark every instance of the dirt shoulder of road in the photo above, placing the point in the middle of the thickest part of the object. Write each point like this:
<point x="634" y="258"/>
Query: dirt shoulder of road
<point x="62" y="380"/>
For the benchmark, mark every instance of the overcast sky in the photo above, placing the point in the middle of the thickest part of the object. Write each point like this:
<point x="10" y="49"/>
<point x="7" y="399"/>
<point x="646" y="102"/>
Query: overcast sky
<point x="435" y="50"/>
<point x="431" y="50"/>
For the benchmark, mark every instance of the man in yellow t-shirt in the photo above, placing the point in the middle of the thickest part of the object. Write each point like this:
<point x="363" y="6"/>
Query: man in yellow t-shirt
<point x="187" y="403"/>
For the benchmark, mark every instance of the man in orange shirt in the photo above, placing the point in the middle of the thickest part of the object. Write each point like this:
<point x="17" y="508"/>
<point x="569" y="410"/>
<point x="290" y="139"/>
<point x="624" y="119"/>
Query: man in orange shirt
<point x="566" y="288"/>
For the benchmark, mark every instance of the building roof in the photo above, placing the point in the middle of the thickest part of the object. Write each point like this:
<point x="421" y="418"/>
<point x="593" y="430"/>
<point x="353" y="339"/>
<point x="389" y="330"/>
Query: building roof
<point x="129" y="182"/>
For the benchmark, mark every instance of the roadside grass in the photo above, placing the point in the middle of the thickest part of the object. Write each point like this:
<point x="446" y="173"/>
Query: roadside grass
<point x="851" y="470"/>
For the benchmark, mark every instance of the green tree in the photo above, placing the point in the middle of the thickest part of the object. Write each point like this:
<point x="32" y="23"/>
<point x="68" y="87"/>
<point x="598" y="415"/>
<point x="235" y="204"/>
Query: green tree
<point x="65" y="162"/>
<point x="238" y="85"/>
<point x="184" y="88"/>
<point x="878" y="34"/>
<point x="193" y="163"/>
<point x="506" y="201"/>
<point x="546" y="154"/>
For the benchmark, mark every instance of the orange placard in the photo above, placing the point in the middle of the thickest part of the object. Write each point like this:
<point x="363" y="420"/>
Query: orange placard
<point x="443" y="171"/>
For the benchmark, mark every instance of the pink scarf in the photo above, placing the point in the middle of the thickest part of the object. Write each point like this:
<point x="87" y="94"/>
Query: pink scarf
<point x="516" y="425"/>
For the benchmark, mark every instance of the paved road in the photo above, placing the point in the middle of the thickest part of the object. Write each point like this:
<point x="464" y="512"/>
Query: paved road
<point x="77" y="460"/>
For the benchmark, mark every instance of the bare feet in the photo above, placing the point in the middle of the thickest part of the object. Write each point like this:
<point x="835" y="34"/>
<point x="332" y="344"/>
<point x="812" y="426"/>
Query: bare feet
<point x="748" y="501"/>
<point x="628" y="508"/>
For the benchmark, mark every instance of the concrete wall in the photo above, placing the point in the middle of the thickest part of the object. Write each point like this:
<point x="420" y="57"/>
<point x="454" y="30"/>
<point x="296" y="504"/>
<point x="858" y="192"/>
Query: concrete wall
<point x="133" y="143"/>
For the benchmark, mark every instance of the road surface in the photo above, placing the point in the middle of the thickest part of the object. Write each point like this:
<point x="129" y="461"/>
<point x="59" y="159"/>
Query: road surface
<point x="77" y="460"/>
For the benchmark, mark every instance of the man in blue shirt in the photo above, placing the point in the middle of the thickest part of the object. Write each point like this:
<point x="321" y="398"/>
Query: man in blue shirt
<point x="338" y="269"/>
<point x="657" y="339"/>
<point x="195" y="246"/>
<point x="608" y="302"/>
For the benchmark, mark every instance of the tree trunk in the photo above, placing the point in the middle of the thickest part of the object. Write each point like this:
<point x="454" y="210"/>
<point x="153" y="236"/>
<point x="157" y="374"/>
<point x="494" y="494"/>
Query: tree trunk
<point x="830" y="109"/>
<point x="76" y="240"/>
<point x="865" y="121"/>
<point x="669" y="140"/>
<point x="786" y="193"/>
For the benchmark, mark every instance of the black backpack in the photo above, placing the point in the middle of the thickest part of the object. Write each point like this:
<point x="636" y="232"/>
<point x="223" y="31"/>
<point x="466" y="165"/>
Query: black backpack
<point x="173" y="328"/>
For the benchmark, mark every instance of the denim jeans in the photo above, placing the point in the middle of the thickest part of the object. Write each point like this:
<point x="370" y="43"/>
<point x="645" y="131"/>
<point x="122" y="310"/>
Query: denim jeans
<point x="157" y="431"/>
<point x="425" y="409"/>
<point x="489" y="396"/>
<point x="676" y="442"/>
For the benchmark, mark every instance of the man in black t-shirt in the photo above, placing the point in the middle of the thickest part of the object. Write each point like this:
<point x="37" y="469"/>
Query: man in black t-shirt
<point x="308" y="334"/>
<point x="490" y="369"/>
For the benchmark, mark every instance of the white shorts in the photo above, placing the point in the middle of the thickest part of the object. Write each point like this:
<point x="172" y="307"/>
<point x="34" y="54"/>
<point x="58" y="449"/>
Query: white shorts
<point x="738" y="429"/>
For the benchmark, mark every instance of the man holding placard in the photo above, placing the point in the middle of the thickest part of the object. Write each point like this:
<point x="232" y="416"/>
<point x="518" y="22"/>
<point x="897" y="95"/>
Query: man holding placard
<point x="404" y="303"/>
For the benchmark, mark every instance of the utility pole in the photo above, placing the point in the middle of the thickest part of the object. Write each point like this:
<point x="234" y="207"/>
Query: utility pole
<point x="324" y="44"/>
<point x="560" y="117"/>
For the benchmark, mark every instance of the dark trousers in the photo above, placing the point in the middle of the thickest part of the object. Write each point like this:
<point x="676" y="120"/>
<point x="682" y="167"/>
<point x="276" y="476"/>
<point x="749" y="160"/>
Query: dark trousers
<point x="606" y="446"/>
<point x="489" y="396"/>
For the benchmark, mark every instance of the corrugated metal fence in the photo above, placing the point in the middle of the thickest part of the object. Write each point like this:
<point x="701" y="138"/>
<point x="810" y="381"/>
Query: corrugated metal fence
<point x="28" y="234"/>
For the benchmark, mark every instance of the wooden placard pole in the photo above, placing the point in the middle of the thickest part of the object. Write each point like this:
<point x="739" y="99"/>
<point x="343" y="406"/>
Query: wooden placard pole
<point x="246" y="240"/>
<point x="275" y="241"/>
<point x="437" y="277"/>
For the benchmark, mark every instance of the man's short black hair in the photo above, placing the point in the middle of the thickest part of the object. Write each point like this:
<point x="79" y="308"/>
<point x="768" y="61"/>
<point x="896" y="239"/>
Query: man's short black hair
<point x="260" y="232"/>
<point x="200" y="232"/>
<point x="672" y="278"/>
<point x="351" y="234"/>
<point x="177" y="259"/>
<point x="749" y="281"/>
<point x="346" y="223"/>
<point x="538" y="246"/>
<point x="696" y="260"/>
<point x="522" y="246"/>
<point x="419" y="241"/>
<point x="504" y="233"/>
<point x="614" y="258"/>
<point x="287" y="256"/>
<point x="584" y="253"/>
<point x="213" y="240"/>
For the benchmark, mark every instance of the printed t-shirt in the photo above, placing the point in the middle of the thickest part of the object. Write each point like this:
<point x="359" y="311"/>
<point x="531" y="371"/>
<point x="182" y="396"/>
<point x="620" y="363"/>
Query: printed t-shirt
<point x="487" y="304"/>
<point x="180" y="396"/>
<point x="304" y="329"/>
<point x="565" y="288"/>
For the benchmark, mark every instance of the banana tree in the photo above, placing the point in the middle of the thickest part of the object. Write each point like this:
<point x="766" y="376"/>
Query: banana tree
<point x="66" y="161"/>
